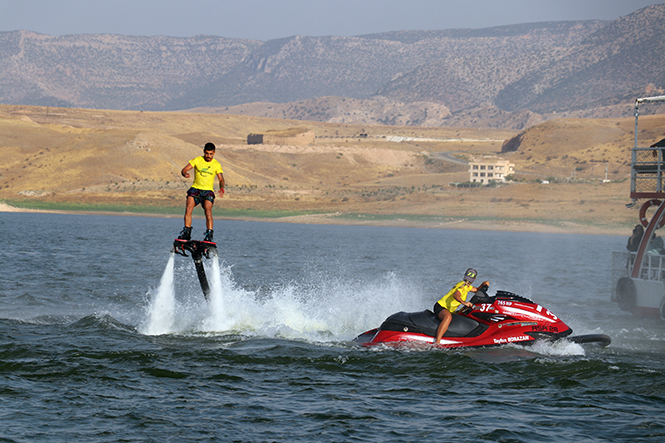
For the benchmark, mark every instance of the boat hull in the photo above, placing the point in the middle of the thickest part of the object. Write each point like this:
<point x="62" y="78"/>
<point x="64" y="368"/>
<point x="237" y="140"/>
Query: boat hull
<point x="642" y="298"/>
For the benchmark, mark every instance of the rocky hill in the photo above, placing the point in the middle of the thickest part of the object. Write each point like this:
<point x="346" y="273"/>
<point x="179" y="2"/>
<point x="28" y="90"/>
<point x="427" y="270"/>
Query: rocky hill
<point x="111" y="71"/>
<point x="614" y="64"/>
<point x="510" y="76"/>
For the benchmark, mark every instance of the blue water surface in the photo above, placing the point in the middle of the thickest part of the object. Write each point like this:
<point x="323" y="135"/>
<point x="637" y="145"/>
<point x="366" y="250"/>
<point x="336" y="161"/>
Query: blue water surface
<point x="78" y="363"/>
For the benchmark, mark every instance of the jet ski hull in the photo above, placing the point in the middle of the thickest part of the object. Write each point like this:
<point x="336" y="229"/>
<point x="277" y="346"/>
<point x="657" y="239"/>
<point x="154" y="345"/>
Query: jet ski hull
<point x="493" y="321"/>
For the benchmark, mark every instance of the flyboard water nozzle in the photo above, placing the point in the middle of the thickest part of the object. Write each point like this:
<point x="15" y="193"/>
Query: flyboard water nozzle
<point x="198" y="249"/>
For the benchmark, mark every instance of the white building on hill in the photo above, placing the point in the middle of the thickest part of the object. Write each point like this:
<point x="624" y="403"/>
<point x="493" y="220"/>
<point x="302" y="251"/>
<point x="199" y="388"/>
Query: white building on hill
<point x="494" y="170"/>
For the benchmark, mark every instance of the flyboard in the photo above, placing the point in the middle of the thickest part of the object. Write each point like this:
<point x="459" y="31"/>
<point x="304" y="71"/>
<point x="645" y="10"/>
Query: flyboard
<point x="198" y="249"/>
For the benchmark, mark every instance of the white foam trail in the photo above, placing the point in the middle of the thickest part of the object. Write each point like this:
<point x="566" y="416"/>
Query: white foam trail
<point x="161" y="312"/>
<point x="218" y="318"/>
<point x="326" y="308"/>
<point x="557" y="348"/>
<point x="330" y="310"/>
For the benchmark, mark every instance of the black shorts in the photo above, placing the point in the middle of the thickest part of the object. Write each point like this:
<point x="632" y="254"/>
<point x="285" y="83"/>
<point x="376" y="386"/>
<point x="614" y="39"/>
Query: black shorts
<point x="199" y="195"/>
<point x="438" y="308"/>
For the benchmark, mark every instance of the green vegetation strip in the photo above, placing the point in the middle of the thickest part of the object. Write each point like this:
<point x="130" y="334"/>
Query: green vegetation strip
<point x="275" y="214"/>
<point x="150" y="210"/>
<point x="83" y="207"/>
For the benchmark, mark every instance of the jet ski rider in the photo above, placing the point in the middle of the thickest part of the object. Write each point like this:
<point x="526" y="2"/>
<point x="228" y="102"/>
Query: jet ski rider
<point x="453" y="299"/>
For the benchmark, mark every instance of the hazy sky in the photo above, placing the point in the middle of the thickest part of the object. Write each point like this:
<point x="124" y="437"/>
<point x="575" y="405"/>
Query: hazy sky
<point x="270" y="19"/>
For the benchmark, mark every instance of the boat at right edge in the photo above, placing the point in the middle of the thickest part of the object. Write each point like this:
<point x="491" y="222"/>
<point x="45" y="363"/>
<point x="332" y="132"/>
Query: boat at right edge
<point x="638" y="273"/>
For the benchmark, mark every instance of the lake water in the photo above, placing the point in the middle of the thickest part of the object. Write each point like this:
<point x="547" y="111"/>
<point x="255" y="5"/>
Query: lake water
<point x="87" y="353"/>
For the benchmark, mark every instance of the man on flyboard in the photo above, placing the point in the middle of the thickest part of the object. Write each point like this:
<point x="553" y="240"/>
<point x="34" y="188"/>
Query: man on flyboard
<point x="202" y="192"/>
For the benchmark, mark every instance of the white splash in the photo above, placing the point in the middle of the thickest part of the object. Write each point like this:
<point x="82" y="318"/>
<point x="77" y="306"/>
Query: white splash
<point x="330" y="309"/>
<point x="218" y="319"/>
<point x="161" y="312"/>
<point x="557" y="348"/>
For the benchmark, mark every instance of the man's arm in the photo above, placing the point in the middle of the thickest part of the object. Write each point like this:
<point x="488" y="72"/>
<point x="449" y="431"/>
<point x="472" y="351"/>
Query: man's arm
<point x="474" y="289"/>
<point x="458" y="297"/>
<point x="220" y="177"/>
<point x="185" y="170"/>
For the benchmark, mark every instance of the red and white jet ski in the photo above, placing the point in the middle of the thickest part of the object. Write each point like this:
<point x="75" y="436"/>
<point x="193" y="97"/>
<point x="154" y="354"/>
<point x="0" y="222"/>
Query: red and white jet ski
<point x="492" y="321"/>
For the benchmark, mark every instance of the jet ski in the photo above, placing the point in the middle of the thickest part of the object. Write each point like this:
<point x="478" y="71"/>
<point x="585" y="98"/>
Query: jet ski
<point x="492" y="321"/>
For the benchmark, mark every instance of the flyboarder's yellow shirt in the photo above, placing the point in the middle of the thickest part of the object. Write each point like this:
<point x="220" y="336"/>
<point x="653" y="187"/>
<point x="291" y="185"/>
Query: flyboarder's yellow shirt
<point x="205" y="173"/>
<point x="449" y="302"/>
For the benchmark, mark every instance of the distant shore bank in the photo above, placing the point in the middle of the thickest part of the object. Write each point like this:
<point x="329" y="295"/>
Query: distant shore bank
<point x="337" y="218"/>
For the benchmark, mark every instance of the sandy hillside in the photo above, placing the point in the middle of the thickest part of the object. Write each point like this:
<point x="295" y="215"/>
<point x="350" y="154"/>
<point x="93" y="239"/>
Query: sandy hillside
<point x="389" y="175"/>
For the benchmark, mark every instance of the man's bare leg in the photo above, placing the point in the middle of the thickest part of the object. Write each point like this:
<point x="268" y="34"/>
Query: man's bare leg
<point x="446" y="317"/>
<point x="207" y="209"/>
<point x="189" y="208"/>
<point x="186" y="233"/>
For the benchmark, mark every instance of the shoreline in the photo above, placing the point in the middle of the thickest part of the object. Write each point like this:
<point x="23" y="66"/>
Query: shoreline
<point x="355" y="220"/>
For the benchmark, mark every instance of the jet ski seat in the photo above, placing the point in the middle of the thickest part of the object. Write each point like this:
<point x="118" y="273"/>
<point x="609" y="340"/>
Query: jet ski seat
<point x="425" y="322"/>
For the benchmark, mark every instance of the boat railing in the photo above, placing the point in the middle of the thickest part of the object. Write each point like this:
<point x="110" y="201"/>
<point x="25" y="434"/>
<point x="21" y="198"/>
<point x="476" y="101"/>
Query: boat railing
<point x="653" y="267"/>
<point x="647" y="170"/>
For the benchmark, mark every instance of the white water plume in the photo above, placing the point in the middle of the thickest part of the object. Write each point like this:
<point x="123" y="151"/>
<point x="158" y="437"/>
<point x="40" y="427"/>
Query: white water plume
<point x="218" y="317"/>
<point x="330" y="309"/>
<point x="162" y="307"/>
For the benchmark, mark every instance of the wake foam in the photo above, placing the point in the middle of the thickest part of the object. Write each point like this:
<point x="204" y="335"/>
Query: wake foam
<point x="160" y="315"/>
<point x="328" y="310"/>
<point x="557" y="348"/>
